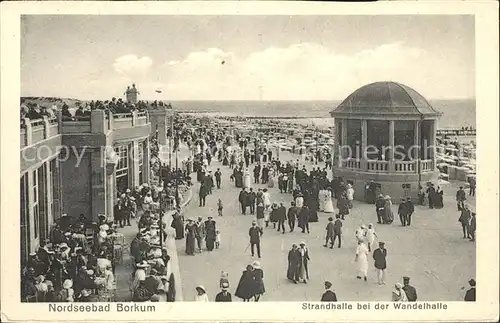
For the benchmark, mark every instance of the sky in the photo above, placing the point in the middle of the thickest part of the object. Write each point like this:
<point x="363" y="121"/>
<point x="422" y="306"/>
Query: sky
<point x="245" y="57"/>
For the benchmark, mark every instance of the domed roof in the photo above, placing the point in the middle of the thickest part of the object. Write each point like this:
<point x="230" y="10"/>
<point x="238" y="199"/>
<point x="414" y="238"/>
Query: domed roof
<point x="385" y="98"/>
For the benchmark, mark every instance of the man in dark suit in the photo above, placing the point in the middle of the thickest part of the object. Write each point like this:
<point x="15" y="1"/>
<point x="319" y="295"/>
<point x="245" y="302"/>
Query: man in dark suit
<point x="470" y="295"/>
<point x="218" y="176"/>
<point x="472" y="186"/>
<point x="292" y="216"/>
<point x="224" y="295"/>
<point x="242" y="198"/>
<point x="403" y="212"/>
<point x="281" y="217"/>
<point x="460" y="197"/>
<point x="411" y="292"/>
<point x="255" y="233"/>
<point x="328" y="295"/>
<point x="411" y="209"/>
<point x="251" y="197"/>
<point x="256" y="174"/>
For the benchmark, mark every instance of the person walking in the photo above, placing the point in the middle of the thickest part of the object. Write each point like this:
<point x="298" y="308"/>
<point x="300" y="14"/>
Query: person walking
<point x="472" y="186"/>
<point x="460" y="197"/>
<point x="281" y="217"/>
<point x="242" y="198"/>
<point x="329" y="233"/>
<point x="472" y="227"/>
<point x="411" y="210"/>
<point x="464" y="219"/>
<point x="203" y="192"/>
<point x="362" y="260"/>
<point x="370" y="236"/>
<point x="337" y="230"/>
<point x="411" y="292"/>
<point x="190" y="237"/>
<point x="255" y="233"/>
<point x="246" y="286"/>
<point x="292" y="215"/>
<point x="329" y="295"/>
<point x="379" y="209"/>
<point x="293" y="264"/>
<point x="200" y="233"/>
<point x="259" y="280"/>
<point x="303" y="219"/>
<point x="220" y="207"/>
<point x="303" y="268"/>
<point x="398" y="294"/>
<point x="251" y="198"/>
<point x="210" y="233"/>
<point x="380" y="255"/>
<point x="403" y="212"/>
<point x="218" y="177"/>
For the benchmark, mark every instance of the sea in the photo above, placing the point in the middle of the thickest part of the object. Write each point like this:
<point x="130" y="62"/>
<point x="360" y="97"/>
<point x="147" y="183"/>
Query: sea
<point x="456" y="113"/>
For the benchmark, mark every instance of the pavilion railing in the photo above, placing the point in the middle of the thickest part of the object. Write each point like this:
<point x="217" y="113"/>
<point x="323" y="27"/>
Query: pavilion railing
<point x="383" y="166"/>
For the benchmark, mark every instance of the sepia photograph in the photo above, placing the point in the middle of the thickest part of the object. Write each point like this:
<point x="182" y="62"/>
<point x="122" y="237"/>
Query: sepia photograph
<point x="319" y="158"/>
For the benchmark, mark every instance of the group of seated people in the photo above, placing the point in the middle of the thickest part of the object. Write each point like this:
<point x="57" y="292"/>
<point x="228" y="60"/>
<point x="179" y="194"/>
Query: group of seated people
<point x="76" y="264"/>
<point x="35" y="111"/>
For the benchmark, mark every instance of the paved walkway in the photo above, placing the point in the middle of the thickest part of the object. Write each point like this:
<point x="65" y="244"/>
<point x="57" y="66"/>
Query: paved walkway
<point x="431" y="252"/>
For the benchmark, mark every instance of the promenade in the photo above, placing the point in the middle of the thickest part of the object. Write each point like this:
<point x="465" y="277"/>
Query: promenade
<point x="431" y="251"/>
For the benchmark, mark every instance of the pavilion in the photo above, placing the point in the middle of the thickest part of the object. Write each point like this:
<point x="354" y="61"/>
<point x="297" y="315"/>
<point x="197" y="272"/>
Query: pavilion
<point x="386" y="132"/>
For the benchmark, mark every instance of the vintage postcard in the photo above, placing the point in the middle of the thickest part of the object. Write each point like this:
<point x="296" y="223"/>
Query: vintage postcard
<point x="320" y="162"/>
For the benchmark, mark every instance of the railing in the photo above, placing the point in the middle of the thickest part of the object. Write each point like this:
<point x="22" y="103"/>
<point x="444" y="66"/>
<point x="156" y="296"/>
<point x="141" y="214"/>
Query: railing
<point x="405" y="166"/>
<point x="73" y="126"/>
<point x="35" y="131"/>
<point x="122" y="115"/>
<point x="426" y="165"/>
<point x="375" y="166"/>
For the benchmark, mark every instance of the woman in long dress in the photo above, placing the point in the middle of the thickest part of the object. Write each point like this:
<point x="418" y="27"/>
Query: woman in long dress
<point x="178" y="225"/>
<point x="398" y="294"/>
<point x="246" y="287"/>
<point x="362" y="260"/>
<point x="190" y="237"/>
<point x="322" y="200"/>
<point x="388" y="215"/>
<point x="272" y="178"/>
<point x="299" y="200"/>
<point x="303" y="256"/>
<point x="293" y="264"/>
<point x="259" y="280"/>
<point x="328" y="202"/>
<point x="246" y="179"/>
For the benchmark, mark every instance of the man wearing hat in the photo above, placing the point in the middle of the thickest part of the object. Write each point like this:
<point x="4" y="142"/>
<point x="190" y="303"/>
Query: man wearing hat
<point x="460" y="197"/>
<point x="411" y="209"/>
<point x="328" y="295"/>
<point x="210" y="233"/>
<point x="329" y="233"/>
<point x="470" y="295"/>
<point x="403" y="212"/>
<point x="292" y="215"/>
<point x="224" y="295"/>
<point x="411" y="292"/>
<point x="379" y="255"/>
<point x="379" y="208"/>
<point x="255" y="233"/>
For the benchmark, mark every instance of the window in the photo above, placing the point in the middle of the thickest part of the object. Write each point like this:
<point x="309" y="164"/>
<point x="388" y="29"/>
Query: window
<point x="122" y="167"/>
<point x="25" y="220"/>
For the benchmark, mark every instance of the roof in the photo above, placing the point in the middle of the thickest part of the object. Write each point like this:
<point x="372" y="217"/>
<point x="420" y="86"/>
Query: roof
<point x="385" y="98"/>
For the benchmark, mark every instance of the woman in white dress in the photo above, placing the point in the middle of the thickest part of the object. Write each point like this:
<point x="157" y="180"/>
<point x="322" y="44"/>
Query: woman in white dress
<point x="246" y="179"/>
<point x="398" y="294"/>
<point x="370" y="236"/>
<point x="299" y="201"/>
<point x="270" y="183"/>
<point x="360" y="234"/>
<point x="201" y="295"/>
<point x="266" y="197"/>
<point x="350" y="195"/>
<point x="322" y="200"/>
<point x="328" y="203"/>
<point x="362" y="260"/>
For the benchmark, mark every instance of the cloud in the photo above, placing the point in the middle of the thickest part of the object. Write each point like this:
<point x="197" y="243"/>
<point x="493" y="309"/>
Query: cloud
<point x="132" y="66"/>
<point x="306" y="71"/>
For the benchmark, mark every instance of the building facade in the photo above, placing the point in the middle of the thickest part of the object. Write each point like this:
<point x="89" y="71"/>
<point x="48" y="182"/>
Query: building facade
<point x="386" y="132"/>
<point x="79" y="167"/>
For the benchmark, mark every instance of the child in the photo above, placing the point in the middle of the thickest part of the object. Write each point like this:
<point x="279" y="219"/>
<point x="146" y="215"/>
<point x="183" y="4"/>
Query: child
<point x="370" y="236"/>
<point x="220" y="207"/>
<point x="217" y="239"/>
<point x="224" y="278"/>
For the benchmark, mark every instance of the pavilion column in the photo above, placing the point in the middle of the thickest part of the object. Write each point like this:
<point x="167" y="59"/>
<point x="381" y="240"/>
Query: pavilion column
<point x="343" y="141"/>
<point x="416" y="139"/>
<point x="364" y="142"/>
<point x="432" y="136"/>
<point x="336" y="145"/>
<point x="391" y="145"/>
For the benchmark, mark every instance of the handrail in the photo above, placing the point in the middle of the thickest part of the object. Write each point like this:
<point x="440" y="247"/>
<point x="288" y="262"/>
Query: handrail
<point x="122" y="115"/>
